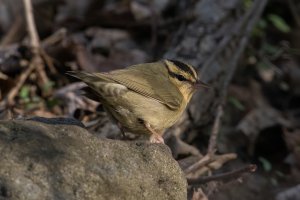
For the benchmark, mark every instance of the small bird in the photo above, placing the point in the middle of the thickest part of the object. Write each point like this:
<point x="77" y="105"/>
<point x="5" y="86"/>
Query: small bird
<point x="145" y="98"/>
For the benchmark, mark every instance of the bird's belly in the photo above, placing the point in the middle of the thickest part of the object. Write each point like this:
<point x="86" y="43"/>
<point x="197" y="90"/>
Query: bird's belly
<point x="134" y="108"/>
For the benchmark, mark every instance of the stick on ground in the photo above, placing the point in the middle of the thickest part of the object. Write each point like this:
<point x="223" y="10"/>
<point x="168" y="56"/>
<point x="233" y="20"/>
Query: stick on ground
<point x="36" y="62"/>
<point x="223" y="176"/>
<point x="33" y="35"/>
<point x="215" y="131"/>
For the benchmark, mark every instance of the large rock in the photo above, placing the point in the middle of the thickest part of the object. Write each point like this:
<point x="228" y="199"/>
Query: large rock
<point x="46" y="161"/>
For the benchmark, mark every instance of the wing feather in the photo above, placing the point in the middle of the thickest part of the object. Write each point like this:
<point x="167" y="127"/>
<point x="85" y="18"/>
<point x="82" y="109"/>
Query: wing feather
<point x="150" y="80"/>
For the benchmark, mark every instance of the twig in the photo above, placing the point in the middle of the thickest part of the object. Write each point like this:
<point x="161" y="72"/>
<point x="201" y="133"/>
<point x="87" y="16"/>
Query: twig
<point x="294" y="12"/>
<point x="34" y="41"/>
<point x="215" y="130"/>
<point x="53" y="39"/>
<point x="249" y="20"/>
<point x="209" y="157"/>
<point x="257" y="9"/>
<point x="215" y="162"/>
<point x="36" y="62"/>
<point x="202" y="162"/>
<point x="223" y="176"/>
<point x="3" y="76"/>
<point x="15" y="32"/>
<point x="14" y="91"/>
<point x="34" y="38"/>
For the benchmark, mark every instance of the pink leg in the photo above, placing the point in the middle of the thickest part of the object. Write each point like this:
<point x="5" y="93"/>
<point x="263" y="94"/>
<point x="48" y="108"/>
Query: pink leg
<point x="155" y="137"/>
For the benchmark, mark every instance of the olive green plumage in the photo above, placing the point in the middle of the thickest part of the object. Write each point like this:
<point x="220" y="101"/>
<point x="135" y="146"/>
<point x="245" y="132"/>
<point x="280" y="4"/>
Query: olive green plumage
<point x="145" y="98"/>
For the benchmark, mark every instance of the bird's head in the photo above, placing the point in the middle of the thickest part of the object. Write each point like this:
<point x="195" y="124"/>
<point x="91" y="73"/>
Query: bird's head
<point x="184" y="77"/>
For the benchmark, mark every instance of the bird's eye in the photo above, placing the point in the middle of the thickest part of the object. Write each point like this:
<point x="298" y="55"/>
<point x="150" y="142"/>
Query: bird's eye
<point x="180" y="77"/>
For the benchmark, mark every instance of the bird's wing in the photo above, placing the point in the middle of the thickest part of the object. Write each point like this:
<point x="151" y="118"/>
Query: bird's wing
<point x="99" y="85"/>
<point x="150" y="80"/>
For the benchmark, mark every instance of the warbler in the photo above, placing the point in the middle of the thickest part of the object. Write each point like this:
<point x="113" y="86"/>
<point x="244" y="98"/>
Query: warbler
<point x="145" y="98"/>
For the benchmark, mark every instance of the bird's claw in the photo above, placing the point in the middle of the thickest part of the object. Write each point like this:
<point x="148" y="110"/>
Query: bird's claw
<point x="154" y="138"/>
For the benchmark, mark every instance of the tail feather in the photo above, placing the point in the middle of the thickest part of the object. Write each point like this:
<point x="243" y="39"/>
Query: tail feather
<point x="92" y="91"/>
<point x="84" y="76"/>
<point x="89" y="78"/>
<point x="91" y="94"/>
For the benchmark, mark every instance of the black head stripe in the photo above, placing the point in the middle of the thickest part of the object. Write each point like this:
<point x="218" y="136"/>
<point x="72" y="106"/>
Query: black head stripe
<point x="178" y="76"/>
<point x="183" y="67"/>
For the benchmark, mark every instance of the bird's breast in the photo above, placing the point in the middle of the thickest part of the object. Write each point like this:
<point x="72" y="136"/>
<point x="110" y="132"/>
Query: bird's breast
<point x="158" y="115"/>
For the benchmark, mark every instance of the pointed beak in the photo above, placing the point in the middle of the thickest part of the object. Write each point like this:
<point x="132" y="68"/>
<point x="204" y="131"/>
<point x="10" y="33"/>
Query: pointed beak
<point x="199" y="84"/>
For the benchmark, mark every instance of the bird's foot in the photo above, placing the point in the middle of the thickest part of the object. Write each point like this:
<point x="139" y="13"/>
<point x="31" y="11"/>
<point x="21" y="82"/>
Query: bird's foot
<point x="155" y="138"/>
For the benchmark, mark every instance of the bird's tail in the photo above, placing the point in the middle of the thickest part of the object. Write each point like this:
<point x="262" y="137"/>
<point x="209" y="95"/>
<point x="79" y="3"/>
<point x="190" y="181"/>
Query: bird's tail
<point x="84" y="76"/>
<point x="91" y="79"/>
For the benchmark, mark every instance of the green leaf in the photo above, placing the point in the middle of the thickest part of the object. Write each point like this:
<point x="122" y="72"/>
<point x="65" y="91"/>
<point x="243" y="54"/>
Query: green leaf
<point x="236" y="103"/>
<point x="31" y="105"/>
<point x="48" y="86"/>
<point x="247" y="3"/>
<point x="274" y="181"/>
<point x="259" y="29"/>
<point x="36" y="99"/>
<point x="262" y="23"/>
<point x="53" y="102"/>
<point x="279" y="174"/>
<point x="270" y="49"/>
<point x="24" y="92"/>
<point x="266" y="164"/>
<point x="262" y="65"/>
<point x="279" y="23"/>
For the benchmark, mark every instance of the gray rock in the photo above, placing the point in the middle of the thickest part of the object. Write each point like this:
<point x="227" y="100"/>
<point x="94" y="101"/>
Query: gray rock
<point x="45" y="161"/>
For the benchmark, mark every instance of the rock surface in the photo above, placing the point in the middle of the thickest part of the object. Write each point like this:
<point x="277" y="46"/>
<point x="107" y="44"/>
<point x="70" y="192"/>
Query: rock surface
<point x="46" y="161"/>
